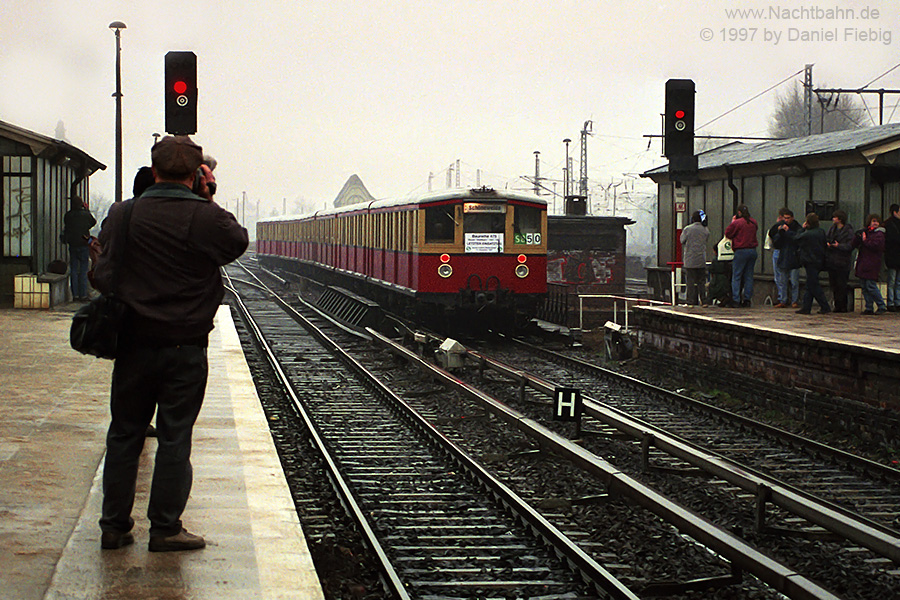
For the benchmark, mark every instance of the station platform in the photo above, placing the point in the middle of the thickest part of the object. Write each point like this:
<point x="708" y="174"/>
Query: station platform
<point x="846" y="357"/>
<point x="52" y="440"/>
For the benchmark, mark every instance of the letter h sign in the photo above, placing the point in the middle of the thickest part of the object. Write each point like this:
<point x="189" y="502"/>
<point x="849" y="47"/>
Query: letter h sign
<point x="567" y="406"/>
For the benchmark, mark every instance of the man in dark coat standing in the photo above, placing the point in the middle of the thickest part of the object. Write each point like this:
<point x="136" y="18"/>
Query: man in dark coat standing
<point x="177" y="240"/>
<point x="892" y="257"/>
<point x="77" y="224"/>
<point x="811" y="246"/>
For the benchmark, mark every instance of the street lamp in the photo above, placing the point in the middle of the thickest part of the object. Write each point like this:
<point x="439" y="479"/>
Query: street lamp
<point x="118" y="26"/>
<point x="566" y="171"/>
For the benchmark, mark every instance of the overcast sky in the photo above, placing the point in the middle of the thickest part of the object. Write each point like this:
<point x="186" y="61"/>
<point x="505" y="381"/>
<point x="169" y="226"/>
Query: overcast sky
<point x="295" y="96"/>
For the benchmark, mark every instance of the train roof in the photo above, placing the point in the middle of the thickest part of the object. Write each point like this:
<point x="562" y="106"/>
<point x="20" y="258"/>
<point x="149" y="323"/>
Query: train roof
<point x="477" y="194"/>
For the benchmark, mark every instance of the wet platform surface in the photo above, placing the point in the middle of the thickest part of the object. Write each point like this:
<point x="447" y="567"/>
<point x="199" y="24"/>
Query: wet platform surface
<point x="877" y="332"/>
<point x="52" y="430"/>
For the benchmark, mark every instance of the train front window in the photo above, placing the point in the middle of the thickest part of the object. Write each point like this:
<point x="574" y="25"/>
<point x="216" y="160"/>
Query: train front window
<point x="527" y="225"/>
<point x="484" y="218"/>
<point x="439" y="224"/>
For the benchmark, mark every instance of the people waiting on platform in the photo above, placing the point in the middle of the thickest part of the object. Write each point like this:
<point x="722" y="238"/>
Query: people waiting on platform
<point x="77" y="224"/>
<point x="785" y="259"/>
<point x="838" y="250"/>
<point x="892" y="257"/>
<point x="870" y="242"/>
<point x="694" y="239"/>
<point x="811" y="247"/>
<point x="742" y="231"/>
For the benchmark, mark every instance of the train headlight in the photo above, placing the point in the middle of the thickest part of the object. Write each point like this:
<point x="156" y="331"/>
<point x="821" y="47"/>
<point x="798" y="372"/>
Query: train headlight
<point x="445" y="270"/>
<point x="521" y="271"/>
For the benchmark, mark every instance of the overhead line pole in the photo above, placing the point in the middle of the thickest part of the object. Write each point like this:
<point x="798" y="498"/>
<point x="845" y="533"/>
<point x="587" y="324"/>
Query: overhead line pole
<point x="881" y="92"/>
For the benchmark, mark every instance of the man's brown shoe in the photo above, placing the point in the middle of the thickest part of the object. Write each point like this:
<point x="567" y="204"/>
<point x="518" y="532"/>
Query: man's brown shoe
<point x="780" y="305"/>
<point x="112" y="540"/>
<point x="183" y="540"/>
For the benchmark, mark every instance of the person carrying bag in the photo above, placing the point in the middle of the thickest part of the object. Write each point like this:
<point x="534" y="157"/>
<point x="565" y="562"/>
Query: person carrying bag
<point x="96" y="325"/>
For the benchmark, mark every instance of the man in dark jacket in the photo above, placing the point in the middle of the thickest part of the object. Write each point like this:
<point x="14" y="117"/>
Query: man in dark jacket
<point x="892" y="257"/>
<point x="785" y="259"/>
<point x="77" y="224"/>
<point x="838" y="248"/>
<point x="175" y="244"/>
<point x="811" y="246"/>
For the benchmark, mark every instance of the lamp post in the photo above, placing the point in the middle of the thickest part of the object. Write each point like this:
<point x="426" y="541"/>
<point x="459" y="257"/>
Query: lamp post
<point x="118" y="26"/>
<point x="566" y="171"/>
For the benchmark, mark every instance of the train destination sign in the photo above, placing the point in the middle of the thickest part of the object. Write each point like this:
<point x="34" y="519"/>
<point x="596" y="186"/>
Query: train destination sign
<point x="480" y="207"/>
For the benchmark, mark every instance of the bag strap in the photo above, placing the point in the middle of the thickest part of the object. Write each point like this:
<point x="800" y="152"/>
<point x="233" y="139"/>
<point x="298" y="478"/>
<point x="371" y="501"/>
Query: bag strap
<point x="122" y="251"/>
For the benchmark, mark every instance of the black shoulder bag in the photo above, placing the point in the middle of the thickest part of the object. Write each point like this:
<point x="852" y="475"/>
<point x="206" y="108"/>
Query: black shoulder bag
<point x="96" y="325"/>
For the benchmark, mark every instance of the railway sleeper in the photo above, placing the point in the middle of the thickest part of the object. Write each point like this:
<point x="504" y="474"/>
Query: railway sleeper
<point x="671" y="588"/>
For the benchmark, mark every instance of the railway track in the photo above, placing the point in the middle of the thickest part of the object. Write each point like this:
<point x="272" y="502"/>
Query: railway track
<point x="854" y="486"/>
<point x="674" y="574"/>
<point x="440" y="527"/>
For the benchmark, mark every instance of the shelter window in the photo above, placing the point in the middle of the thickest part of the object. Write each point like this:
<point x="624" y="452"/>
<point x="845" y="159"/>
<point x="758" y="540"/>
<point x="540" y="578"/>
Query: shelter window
<point x="17" y="193"/>
<point x="439" y="224"/>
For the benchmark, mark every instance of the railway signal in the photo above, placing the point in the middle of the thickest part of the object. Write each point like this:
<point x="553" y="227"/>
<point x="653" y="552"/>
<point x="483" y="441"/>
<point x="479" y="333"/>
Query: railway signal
<point x="679" y="129"/>
<point x="181" y="93"/>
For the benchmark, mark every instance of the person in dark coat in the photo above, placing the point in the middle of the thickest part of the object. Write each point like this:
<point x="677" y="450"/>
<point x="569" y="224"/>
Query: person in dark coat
<point x="838" y="250"/>
<point x="811" y="248"/>
<point x="170" y="279"/>
<point x="785" y="259"/>
<point x="892" y="257"/>
<point x="870" y="242"/>
<point x="77" y="224"/>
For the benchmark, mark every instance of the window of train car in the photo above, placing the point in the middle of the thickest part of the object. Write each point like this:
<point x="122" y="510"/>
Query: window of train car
<point x="485" y="219"/>
<point x="527" y="225"/>
<point x="439" y="224"/>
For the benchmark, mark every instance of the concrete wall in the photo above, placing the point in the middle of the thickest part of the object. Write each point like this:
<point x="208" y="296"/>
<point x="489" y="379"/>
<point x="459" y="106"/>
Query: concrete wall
<point x="812" y="369"/>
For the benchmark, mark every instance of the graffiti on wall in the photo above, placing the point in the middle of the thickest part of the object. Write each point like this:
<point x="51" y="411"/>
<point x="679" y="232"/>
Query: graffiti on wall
<point x="580" y="267"/>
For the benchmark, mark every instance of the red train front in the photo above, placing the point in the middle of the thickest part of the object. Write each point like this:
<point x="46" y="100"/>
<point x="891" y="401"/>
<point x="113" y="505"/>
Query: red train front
<point x="451" y="252"/>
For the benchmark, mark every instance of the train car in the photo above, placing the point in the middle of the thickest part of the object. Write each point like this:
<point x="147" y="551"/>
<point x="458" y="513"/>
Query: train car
<point x="448" y="253"/>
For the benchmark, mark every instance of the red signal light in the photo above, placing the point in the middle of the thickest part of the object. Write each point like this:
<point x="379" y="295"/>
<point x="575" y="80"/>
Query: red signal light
<point x="445" y="258"/>
<point x="521" y="258"/>
<point x="679" y="114"/>
<point x="180" y="87"/>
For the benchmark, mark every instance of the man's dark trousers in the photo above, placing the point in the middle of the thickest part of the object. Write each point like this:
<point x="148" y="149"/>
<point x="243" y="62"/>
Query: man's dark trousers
<point x="172" y="381"/>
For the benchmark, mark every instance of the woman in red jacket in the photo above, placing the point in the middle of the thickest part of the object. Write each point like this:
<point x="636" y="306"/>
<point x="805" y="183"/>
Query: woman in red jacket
<point x="742" y="233"/>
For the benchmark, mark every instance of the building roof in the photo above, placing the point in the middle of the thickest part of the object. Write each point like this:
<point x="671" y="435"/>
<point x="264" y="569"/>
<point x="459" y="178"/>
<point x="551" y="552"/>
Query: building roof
<point x="353" y="192"/>
<point x="865" y="143"/>
<point x="49" y="148"/>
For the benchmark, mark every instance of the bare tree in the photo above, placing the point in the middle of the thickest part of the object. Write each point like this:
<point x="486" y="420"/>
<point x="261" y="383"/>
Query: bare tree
<point x="830" y="112"/>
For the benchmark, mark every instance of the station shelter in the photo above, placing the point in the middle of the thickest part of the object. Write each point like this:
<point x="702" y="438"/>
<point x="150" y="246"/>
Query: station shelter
<point x="857" y="171"/>
<point x="40" y="178"/>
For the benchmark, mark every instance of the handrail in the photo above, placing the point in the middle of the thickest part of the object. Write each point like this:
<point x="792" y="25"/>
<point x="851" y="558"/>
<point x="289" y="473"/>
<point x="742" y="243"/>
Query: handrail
<point x="628" y="301"/>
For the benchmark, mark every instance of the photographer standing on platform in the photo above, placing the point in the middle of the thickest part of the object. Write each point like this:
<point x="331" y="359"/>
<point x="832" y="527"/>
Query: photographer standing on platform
<point x="172" y="248"/>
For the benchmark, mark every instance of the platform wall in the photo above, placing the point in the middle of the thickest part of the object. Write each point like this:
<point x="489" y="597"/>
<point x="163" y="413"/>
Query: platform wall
<point x="807" y="367"/>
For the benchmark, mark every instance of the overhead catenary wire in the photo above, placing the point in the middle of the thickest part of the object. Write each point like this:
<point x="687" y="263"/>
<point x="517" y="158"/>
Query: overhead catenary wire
<point x="748" y="101"/>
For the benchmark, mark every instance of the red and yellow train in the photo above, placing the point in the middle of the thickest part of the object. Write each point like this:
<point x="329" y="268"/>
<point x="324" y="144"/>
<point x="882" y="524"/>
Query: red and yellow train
<point x="449" y="252"/>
